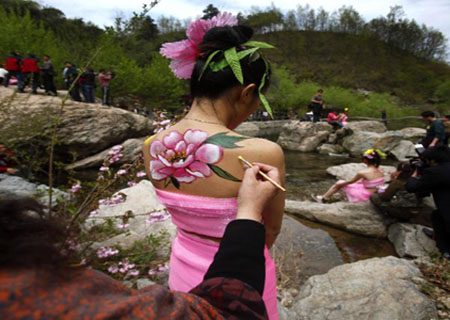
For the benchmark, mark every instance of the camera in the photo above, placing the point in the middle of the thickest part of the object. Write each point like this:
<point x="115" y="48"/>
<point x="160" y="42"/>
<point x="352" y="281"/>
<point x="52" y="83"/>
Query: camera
<point x="417" y="163"/>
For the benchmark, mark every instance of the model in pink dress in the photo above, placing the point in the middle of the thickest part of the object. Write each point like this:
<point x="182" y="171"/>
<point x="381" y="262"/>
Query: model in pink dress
<point x="363" y="184"/>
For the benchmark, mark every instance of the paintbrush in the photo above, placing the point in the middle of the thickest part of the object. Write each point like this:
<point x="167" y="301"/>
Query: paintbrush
<point x="262" y="174"/>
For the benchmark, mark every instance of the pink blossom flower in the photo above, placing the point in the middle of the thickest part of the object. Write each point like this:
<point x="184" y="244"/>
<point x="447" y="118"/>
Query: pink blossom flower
<point x="165" y="122"/>
<point x="184" y="53"/>
<point x="185" y="158"/>
<point x="133" y="273"/>
<point x="105" y="252"/>
<point x="122" y="172"/>
<point x="117" y="148"/>
<point x="75" y="188"/>
<point x="141" y="174"/>
<point x="123" y="226"/>
<point x="113" y="269"/>
<point x="158" y="217"/>
<point x="161" y="268"/>
<point x="93" y="213"/>
<point x="131" y="183"/>
<point x="104" y="168"/>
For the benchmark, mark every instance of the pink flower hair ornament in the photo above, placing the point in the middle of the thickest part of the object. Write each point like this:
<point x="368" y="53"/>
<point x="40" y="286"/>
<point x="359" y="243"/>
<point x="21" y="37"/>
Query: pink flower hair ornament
<point x="184" y="158"/>
<point x="184" y="53"/>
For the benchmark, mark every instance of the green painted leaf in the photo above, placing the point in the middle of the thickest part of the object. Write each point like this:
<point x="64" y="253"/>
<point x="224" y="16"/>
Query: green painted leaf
<point x="222" y="173"/>
<point x="219" y="65"/>
<point x="175" y="182"/>
<point x="261" y="95"/>
<point x="227" y="142"/>
<point x="234" y="63"/>
<point x="211" y="56"/>
<point x="243" y="54"/>
<point x="259" y="44"/>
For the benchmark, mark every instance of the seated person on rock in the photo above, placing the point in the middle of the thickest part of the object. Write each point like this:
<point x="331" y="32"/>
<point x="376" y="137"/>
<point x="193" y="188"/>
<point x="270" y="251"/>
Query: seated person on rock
<point x="395" y="201"/>
<point x="38" y="278"/>
<point x="363" y="184"/>
<point x="334" y="119"/>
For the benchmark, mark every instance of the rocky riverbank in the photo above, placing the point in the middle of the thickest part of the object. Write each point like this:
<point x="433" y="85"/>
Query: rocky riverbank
<point x="353" y="140"/>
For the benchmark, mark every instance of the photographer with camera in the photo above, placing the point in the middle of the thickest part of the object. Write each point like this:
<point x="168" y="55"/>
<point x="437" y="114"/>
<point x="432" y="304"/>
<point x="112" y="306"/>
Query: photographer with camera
<point x="436" y="179"/>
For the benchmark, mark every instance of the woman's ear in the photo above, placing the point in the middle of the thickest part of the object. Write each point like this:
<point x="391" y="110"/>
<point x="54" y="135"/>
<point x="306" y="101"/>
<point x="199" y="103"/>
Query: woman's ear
<point x="248" y="93"/>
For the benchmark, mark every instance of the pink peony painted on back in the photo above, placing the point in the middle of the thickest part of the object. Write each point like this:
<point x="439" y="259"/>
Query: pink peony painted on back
<point x="183" y="157"/>
<point x="184" y="53"/>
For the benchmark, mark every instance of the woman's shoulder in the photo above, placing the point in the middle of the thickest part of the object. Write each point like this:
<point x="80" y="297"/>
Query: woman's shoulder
<point x="261" y="150"/>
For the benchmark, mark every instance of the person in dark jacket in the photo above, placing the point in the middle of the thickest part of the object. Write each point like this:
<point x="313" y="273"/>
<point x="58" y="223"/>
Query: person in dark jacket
<point x="37" y="281"/>
<point x="436" y="179"/>
<point x="48" y="73"/>
<point x="317" y="105"/>
<point x="88" y="85"/>
<point x="70" y="77"/>
<point x="30" y="71"/>
<point x="435" y="130"/>
<point x="13" y="64"/>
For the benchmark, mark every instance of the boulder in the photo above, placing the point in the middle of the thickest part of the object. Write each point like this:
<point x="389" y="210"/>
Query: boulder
<point x="347" y="171"/>
<point x="301" y="252"/>
<point x="303" y="136"/>
<point x="377" y="288"/>
<point x="410" y="241"/>
<point x="13" y="188"/>
<point x="414" y="133"/>
<point x="248" y="129"/>
<point x="360" y="218"/>
<point x="141" y="201"/>
<point x="330" y="148"/>
<point x="84" y="129"/>
<point x="131" y="150"/>
<point x="404" y="150"/>
<point x="360" y="141"/>
<point x="332" y="139"/>
<point x="368" y="126"/>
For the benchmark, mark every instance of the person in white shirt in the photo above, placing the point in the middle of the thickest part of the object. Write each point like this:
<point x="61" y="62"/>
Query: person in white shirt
<point x="3" y="73"/>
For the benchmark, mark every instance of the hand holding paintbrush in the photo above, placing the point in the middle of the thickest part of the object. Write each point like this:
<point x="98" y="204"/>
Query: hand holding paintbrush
<point x="265" y="176"/>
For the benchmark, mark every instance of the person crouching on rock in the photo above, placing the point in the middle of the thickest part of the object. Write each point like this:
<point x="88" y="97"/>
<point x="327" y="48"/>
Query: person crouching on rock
<point x="363" y="184"/>
<point x="395" y="201"/>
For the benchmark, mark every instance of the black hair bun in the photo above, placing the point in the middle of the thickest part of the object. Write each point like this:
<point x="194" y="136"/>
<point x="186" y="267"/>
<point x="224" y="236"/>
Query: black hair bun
<point x="222" y="38"/>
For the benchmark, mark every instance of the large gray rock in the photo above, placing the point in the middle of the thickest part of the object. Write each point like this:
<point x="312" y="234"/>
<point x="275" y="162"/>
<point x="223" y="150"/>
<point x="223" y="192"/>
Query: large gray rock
<point x="404" y="150"/>
<point x="301" y="252"/>
<point x="13" y="188"/>
<point x="360" y="218"/>
<point x="375" y="289"/>
<point x="131" y="150"/>
<point x="360" y="141"/>
<point x="141" y="200"/>
<point x="348" y="170"/>
<point x="410" y="241"/>
<point x="330" y="148"/>
<point x="84" y="129"/>
<point x="414" y="133"/>
<point x="368" y="126"/>
<point x="304" y="136"/>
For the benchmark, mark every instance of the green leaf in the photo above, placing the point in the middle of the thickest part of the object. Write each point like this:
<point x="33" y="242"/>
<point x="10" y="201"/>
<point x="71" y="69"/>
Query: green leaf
<point x="262" y="97"/>
<point x="175" y="182"/>
<point x="222" y="173"/>
<point x="243" y="54"/>
<point x="234" y="63"/>
<point x="258" y="44"/>
<point x="255" y="56"/>
<point x="211" y="56"/>
<point x="219" y="65"/>
<point x="227" y="142"/>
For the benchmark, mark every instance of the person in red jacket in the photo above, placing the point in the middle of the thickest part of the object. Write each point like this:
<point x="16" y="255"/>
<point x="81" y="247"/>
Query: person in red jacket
<point x="7" y="161"/>
<point x="13" y="66"/>
<point x="30" y="69"/>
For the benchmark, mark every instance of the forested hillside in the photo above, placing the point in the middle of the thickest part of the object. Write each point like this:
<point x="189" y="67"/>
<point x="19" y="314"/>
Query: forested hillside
<point x="402" y="62"/>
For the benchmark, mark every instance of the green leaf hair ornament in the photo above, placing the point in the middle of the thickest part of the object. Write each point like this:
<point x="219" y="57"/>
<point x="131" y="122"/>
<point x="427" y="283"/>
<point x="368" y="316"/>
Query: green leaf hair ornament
<point x="231" y="58"/>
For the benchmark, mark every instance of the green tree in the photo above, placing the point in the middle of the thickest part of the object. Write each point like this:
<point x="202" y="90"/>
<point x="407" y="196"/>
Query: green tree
<point x="210" y="11"/>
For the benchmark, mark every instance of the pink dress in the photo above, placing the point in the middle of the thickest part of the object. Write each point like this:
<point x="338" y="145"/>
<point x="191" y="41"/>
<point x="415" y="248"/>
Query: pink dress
<point x="359" y="191"/>
<point x="191" y="256"/>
